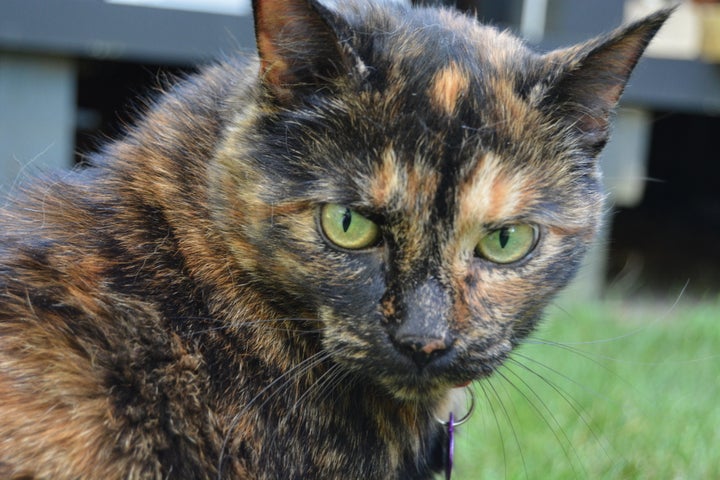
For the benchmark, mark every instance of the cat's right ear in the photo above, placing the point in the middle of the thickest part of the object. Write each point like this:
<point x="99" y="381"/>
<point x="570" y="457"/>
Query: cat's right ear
<point x="300" y="47"/>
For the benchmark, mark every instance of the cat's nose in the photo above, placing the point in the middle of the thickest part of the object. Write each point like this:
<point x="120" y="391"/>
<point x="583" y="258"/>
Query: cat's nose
<point x="423" y="333"/>
<point x="422" y="350"/>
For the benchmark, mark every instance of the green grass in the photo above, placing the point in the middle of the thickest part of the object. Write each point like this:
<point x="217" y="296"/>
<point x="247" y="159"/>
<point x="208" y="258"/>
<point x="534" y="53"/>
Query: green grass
<point x="612" y="391"/>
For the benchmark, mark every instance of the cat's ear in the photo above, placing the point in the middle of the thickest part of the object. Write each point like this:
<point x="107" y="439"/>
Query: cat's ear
<point x="300" y="47"/>
<point x="593" y="75"/>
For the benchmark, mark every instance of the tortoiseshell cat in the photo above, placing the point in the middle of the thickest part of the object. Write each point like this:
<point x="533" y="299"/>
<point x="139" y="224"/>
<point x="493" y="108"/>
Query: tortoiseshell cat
<point x="287" y="266"/>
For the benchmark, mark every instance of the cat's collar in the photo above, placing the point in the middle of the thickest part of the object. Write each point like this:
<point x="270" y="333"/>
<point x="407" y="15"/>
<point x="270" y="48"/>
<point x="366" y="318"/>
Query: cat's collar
<point x="450" y="425"/>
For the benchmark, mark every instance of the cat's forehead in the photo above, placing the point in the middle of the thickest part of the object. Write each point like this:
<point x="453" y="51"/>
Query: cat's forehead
<point x="448" y="98"/>
<point x="439" y="47"/>
<point x="441" y="73"/>
<point x="488" y="191"/>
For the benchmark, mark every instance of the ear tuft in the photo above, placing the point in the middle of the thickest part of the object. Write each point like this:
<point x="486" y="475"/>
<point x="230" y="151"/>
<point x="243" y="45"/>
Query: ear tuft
<point x="593" y="76"/>
<point x="299" y="49"/>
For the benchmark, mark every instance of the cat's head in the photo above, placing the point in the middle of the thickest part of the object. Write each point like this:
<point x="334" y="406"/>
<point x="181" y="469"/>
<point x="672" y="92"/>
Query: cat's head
<point x="419" y="183"/>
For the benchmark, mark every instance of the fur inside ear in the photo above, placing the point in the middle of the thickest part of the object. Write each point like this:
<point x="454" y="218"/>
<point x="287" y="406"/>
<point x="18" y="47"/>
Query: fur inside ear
<point x="299" y="48"/>
<point x="593" y="75"/>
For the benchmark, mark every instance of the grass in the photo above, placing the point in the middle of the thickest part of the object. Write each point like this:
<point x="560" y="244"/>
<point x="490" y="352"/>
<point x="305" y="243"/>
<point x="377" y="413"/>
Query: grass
<point x="612" y="391"/>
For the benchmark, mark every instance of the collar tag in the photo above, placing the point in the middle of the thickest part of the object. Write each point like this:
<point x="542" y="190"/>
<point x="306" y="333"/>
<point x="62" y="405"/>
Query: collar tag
<point x="450" y="424"/>
<point x="450" y="447"/>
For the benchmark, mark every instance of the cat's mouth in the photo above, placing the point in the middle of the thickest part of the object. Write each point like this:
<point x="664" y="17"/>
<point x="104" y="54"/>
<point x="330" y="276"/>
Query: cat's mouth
<point x="414" y="366"/>
<point x="432" y="378"/>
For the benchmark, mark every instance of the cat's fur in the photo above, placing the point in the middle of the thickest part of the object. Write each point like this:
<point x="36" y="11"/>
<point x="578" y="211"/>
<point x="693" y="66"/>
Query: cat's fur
<point x="174" y="311"/>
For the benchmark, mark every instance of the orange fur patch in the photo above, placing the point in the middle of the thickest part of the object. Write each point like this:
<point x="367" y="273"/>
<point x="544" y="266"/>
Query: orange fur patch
<point x="490" y="195"/>
<point x="387" y="180"/>
<point x="447" y="87"/>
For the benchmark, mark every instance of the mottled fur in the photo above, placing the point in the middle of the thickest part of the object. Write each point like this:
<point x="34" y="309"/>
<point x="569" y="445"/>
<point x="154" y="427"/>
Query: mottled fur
<point x="174" y="311"/>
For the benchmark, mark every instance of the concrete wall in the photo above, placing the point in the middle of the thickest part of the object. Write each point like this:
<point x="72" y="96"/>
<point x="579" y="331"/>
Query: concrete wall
<point x="37" y="115"/>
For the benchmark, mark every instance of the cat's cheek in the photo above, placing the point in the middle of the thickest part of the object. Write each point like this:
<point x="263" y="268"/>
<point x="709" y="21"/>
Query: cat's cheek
<point x="504" y="303"/>
<point x="351" y="342"/>
<point x="347" y="290"/>
<point x="492" y="300"/>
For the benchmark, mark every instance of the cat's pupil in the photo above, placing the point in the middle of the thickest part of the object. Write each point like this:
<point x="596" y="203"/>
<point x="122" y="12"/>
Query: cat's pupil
<point x="504" y="237"/>
<point x="347" y="218"/>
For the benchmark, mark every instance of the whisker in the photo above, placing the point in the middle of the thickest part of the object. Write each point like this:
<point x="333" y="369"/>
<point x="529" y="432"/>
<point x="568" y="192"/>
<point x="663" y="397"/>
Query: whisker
<point x="271" y="324"/>
<point x="325" y="379"/>
<point x="547" y="367"/>
<point x="595" y="358"/>
<point x="508" y="418"/>
<point x="287" y="377"/>
<point x="345" y="385"/>
<point x="571" y="401"/>
<point x="661" y="318"/>
<point x="497" y="424"/>
<point x="279" y="384"/>
<point x="564" y="445"/>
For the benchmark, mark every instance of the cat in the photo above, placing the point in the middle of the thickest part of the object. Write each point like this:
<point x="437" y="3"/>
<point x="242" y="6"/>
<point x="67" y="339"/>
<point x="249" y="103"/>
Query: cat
<point x="291" y="264"/>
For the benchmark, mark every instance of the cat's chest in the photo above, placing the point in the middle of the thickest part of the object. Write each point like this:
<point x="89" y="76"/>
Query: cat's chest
<point x="345" y="435"/>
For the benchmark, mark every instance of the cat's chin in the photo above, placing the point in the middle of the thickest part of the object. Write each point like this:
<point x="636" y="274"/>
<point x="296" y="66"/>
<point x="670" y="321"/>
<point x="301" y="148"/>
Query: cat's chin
<point x="420" y="394"/>
<point x="423" y="390"/>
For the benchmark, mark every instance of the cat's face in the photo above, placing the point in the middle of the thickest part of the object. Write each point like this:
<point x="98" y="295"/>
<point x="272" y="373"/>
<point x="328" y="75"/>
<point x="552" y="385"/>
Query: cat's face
<point x="419" y="184"/>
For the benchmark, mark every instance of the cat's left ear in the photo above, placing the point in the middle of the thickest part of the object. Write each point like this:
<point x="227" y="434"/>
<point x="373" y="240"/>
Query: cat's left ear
<point x="300" y="46"/>
<point x="593" y="75"/>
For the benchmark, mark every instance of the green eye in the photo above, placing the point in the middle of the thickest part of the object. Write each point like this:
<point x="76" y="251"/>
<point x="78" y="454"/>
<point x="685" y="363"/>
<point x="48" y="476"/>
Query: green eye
<point x="346" y="228"/>
<point x="508" y="244"/>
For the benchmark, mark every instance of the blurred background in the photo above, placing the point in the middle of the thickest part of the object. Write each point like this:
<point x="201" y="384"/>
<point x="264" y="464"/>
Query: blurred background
<point x="72" y="73"/>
